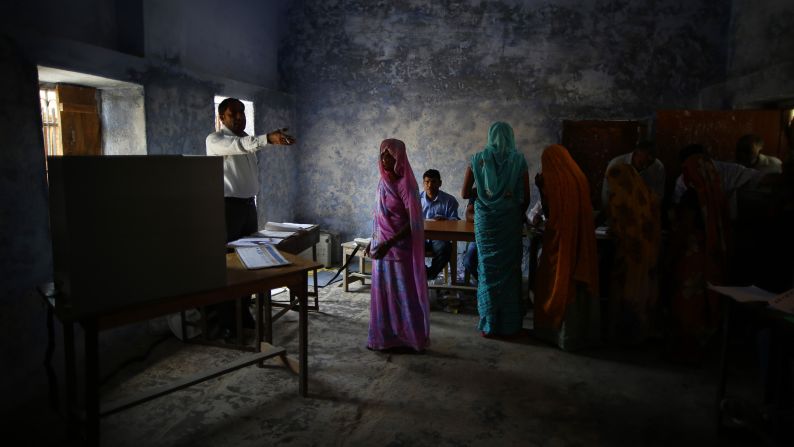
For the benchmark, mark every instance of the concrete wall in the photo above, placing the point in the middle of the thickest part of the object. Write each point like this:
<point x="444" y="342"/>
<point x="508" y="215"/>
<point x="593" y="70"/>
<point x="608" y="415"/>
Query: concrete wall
<point x="437" y="74"/>
<point x="236" y="40"/>
<point x="178" y="113"/>
<point x="123" y="121"/>
<point x="761" y="63"/>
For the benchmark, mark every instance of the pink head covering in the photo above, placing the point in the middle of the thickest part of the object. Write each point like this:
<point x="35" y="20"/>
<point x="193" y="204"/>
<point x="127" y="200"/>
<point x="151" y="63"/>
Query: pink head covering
<point x="398" y="203"/>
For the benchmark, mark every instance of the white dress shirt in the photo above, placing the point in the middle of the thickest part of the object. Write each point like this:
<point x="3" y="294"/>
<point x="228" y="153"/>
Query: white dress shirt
<point x="768" y="164"/>
<point x="240" y="172"/>
<point x="733" y="176"/>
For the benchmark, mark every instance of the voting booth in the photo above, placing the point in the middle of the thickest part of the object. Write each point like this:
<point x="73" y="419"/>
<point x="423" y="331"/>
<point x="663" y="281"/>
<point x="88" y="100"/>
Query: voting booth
<point x="131" y="229"/>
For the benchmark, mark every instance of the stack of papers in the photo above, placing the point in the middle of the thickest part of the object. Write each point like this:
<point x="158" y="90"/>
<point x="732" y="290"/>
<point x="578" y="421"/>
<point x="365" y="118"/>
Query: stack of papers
<point x="286" y="226"/>
<point x="783" y="302"/>
<point x="260" y="256"/>
<point x="747" y="294"/>
<point x="253" y="241"/>
<point x="275" y="234"/>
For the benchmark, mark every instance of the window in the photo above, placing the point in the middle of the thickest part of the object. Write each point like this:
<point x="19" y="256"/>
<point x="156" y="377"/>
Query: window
<point x="84" y="114"/>
<point x="50" y="121"/>
<point x="249" y="115"/>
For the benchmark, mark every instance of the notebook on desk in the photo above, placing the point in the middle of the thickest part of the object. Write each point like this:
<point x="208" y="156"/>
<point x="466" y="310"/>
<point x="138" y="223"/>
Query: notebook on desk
<point x="260" y="256"/>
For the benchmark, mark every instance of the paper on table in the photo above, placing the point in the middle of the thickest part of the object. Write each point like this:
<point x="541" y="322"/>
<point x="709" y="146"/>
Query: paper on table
<point x="297" y="225"/>
<point x="260" y="256"/>
<point x="276" y="234"/>
<point x="254" y="241"/>
<point x="784" y="302"/>
<point x="286" y="226"/>
<point x="747" y="294"/>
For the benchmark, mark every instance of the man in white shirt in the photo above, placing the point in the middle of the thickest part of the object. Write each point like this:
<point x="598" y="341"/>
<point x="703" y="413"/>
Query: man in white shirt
<point x="733" y="177"/>
<point x="644" y="160"/>
<point x="240" y="184"/>
<point x="748" y="154"/>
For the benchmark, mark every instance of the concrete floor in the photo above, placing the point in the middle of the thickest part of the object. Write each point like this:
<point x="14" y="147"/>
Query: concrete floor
<point x="465" y="390"/>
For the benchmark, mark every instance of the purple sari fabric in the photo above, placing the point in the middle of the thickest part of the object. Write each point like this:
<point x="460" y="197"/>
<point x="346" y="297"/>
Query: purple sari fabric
<point x="399" y="308"/>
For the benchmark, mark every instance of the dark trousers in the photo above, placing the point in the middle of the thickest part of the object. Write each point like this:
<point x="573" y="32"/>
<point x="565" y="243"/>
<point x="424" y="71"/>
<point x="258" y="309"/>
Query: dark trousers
<point x="241" y="221"/>
<point x="470" y="259"/>
<point x="441" y="251"/>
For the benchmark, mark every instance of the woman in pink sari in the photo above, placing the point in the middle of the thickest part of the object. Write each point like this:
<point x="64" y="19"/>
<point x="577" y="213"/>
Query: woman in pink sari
<point x="399" y="310"/>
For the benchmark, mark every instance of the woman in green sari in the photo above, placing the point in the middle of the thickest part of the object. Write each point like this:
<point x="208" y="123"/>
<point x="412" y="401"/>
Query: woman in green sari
<point x="502" y="179"/>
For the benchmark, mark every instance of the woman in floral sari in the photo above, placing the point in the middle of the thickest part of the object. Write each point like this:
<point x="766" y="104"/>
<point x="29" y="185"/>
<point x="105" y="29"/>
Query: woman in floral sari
<point x="633" y="211"/>
<point x="699" y="248"/>
<point x="399" y="309"/>
<point x="566" y="289"/>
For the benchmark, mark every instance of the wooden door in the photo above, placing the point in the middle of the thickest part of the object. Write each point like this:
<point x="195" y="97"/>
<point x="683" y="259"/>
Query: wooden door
<point x="80" y="126"/>
<point x="718" y="130"/>
<point x="592" y="144"/>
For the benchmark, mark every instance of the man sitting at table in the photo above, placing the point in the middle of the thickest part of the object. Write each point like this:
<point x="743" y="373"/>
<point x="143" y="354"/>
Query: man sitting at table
<point x="437" y="205"/>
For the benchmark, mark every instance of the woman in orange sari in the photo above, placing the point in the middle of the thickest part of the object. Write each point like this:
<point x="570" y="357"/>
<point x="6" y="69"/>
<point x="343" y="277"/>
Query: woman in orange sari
<point x="566" y="290"/>
<point x="699" y="252"/>
<point x="634" y="221"/>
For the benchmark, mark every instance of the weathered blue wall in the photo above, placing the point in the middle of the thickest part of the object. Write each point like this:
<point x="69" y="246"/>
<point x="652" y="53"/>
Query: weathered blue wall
<point x="235" y="40"/>
<point x="123" y="121"/>
<point x="761" y="59"/>
<point x="437" y="74"/>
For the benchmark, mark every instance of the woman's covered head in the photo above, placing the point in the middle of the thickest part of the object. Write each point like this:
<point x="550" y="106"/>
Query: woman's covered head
<point x="392" y="156"/>
<point x="500" y="137"/>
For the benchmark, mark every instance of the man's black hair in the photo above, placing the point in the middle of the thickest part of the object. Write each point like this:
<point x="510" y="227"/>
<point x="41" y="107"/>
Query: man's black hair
<point x="692" y="149"/>
<point x="646" y="146"/>
<point x="225" y="104"/>
<point x="432" y="173"/>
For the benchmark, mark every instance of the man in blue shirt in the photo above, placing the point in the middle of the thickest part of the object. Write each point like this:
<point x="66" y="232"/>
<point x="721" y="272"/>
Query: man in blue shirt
<point x="437" y="205"/>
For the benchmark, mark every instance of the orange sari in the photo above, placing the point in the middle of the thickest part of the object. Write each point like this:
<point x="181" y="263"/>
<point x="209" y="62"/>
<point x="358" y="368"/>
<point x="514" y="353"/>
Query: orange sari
<point x="700" y="256"/>
<point x="566" y="289"/>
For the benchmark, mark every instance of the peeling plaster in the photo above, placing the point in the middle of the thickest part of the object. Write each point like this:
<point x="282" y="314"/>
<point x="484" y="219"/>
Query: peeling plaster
<point x="437" y="74"/>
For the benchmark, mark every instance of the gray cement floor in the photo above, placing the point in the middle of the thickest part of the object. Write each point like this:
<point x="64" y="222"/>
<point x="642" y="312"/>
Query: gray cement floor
<point x="464" y="391"/>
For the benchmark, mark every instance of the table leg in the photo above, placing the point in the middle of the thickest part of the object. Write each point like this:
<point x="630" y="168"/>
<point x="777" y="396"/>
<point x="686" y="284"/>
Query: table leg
<point x="260" y="297"/>
<point x="303" y="335"/>
<point x="723" y="374"/>
<point x="91" y="382"/>
<point x="345" y="257"/>
<point x="52" y="379"/>
<point x="268" y="308"/>
<point x="314" y="293"/>
<point x="238" y="318"/>
<point x="453" y="263"/>
<point x="71" y="378"/>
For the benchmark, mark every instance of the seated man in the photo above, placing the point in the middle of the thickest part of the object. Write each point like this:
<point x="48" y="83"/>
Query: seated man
<point x="437" y="205"/>
<point x="644" y="160"/>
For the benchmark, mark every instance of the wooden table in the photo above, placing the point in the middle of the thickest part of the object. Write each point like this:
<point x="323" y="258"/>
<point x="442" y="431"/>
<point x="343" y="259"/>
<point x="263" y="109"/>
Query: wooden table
<point x="303" y="240"/>
<point x="239" y="282"/>
<point x="453" y="231"/>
